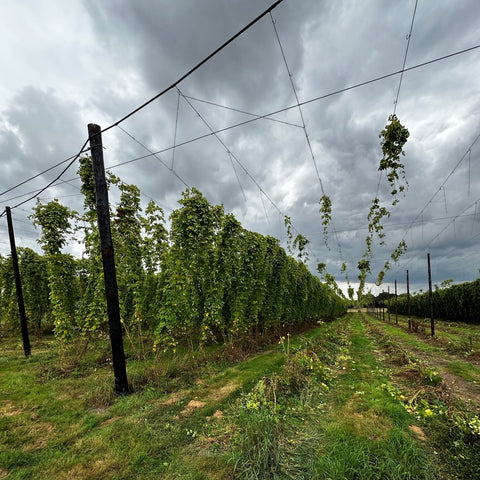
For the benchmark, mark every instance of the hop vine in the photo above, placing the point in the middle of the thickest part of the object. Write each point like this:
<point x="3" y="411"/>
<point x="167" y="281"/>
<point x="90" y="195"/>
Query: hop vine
<point x="394" y="136"/>
<point x="326" y="214"/>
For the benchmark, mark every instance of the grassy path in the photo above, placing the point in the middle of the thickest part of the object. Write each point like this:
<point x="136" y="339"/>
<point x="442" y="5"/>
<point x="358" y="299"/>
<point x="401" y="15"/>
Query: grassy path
<point x="440" y="387"/>
<point x="460" y="371"/>
<point x="366" y="433"/>
<point x="324" y="405"/>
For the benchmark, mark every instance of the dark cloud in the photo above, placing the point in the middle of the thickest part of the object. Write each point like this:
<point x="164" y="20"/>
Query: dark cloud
<point x="129" y="51"/>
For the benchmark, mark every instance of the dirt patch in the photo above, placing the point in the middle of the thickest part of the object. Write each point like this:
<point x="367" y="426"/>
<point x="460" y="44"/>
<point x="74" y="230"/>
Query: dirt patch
<point x="101" y="468"/>
<point x="418" y="432"/>
<point x="219" y="394"/>
<point x="192" y="405"/>
<point x="363" y="421"/>
<point x="109" y="421"/>
<point x="174" y="398"/>
<point x="10" y="410"/>
<point x="40" y="431"/>
<point x="99" y="410"/>
<point x="451" y="385"/>
<point x="4" y="473"/>
<point x="218" y="415"/>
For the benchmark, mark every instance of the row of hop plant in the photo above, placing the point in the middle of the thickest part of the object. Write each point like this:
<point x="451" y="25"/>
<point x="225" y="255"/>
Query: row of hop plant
<point x="205" y="279"/>
<point x="458" y="303"/>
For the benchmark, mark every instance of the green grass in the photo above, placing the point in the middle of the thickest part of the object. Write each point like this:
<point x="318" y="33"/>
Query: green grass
<point x="367" y="433"/>
<point x="63" y="421"/>
<point x="323" y="412"/>
<point x="454" y="337"/>
<point x="409" y="338"/>
<point x="447" y="418"/>
<point x="355" y="430"/>
<point x="464" y="370"/>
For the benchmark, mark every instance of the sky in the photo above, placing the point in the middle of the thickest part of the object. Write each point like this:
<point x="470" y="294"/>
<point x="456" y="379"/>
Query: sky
<point x="94" y="62"/>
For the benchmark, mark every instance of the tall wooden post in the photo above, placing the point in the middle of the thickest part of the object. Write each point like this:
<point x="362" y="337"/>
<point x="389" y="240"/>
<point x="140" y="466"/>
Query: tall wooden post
<point x="18" y="286"/>
<point x="430" y="297"/>
<point x="389" y="304"/>
<point x="408" y="302"/>
<point x="383" y="309"/>
<point x="111" y="288"/>
<point x="396" y="304"/>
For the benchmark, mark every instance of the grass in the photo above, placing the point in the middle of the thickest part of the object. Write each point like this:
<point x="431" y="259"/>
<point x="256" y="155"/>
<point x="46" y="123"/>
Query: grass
<point x="315" y="406"/>
<point x="464" y="370"/>
<point x="63" y="421"/>
<point x="352" y="429"/>
<point x="367" y="433"/>
<point x="447" y="418"/>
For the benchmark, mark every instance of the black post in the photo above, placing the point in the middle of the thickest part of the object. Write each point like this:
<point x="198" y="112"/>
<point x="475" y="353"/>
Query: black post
<point x="18" y="285"/>
<point x="389" y="304"/>
<point x="396" y="304"/>
<point x="430" y="297"/>
<point x="111" y="289"/>
<point x="408" y="302"/>
<point x="383" y="308"/>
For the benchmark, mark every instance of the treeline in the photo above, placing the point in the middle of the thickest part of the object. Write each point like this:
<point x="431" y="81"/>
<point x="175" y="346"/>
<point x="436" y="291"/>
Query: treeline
<point x="205" y="279"/>
<point x="458" y="303"/>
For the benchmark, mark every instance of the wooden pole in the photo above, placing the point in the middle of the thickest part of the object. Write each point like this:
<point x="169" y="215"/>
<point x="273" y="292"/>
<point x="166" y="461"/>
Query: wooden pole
<point x="396" y="304"/>
<point x="383" y="309"/>
<point x="18" y="286"/>
<point x="110" y="276"/>
<point x="389" y="303"/>
<point x="430" y="297"/>
<point x="408" y="302"/>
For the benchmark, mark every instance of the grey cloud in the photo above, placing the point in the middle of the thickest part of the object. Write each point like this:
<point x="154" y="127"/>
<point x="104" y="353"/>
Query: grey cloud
<point x="143" y="46"/>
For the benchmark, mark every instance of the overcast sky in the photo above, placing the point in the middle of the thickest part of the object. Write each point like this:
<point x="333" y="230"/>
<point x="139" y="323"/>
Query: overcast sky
<point x="67" y="64"/>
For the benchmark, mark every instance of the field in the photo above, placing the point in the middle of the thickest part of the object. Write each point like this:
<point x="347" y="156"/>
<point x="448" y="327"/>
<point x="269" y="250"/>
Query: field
<point x="354" y="398"/>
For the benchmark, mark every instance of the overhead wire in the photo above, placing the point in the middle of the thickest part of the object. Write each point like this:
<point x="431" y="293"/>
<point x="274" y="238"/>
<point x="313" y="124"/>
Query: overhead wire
<point x="154" y="154"/>
<point x="304" y="128"/>
<point x="409" y="36"/>
<point x="242" y="111"/>
<point x="452" y="221"/>
<point x="229" y="152"/>
<point x="439" y="189"/>
<point x="175" y="132"/>
<point x="41" y="173"/>
<point x="275" y="112"/>
<point x="232" y="155"/>
<point x="195" y="68"/>
<point x="399" y="224"/>
<point x="52" y="182"/>
<point x="158" y="95"/>
<point x="39" y="190"/>
<point x="306" y="102"/>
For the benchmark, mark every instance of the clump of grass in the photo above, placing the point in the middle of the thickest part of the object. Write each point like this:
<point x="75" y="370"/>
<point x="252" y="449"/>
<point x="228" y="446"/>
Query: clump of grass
<point x="101" y="393"/>
<point x="348" y="456"/>
<point x="455" y="441"/>
<point x="273" y="435"/>
<point x="256" y="446"/>
<point x="465" y="370"/>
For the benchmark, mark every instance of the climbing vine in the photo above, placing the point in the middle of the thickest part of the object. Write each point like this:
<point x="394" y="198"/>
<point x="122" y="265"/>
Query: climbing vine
<point x="326" y="215"/>
<point x="393" y="139"/>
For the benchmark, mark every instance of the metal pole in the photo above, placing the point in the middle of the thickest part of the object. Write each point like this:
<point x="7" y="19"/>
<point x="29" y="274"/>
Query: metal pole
<point x="110" y="276"/>
<point x="430" y="297"/>
<point x="18" y="286"/>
